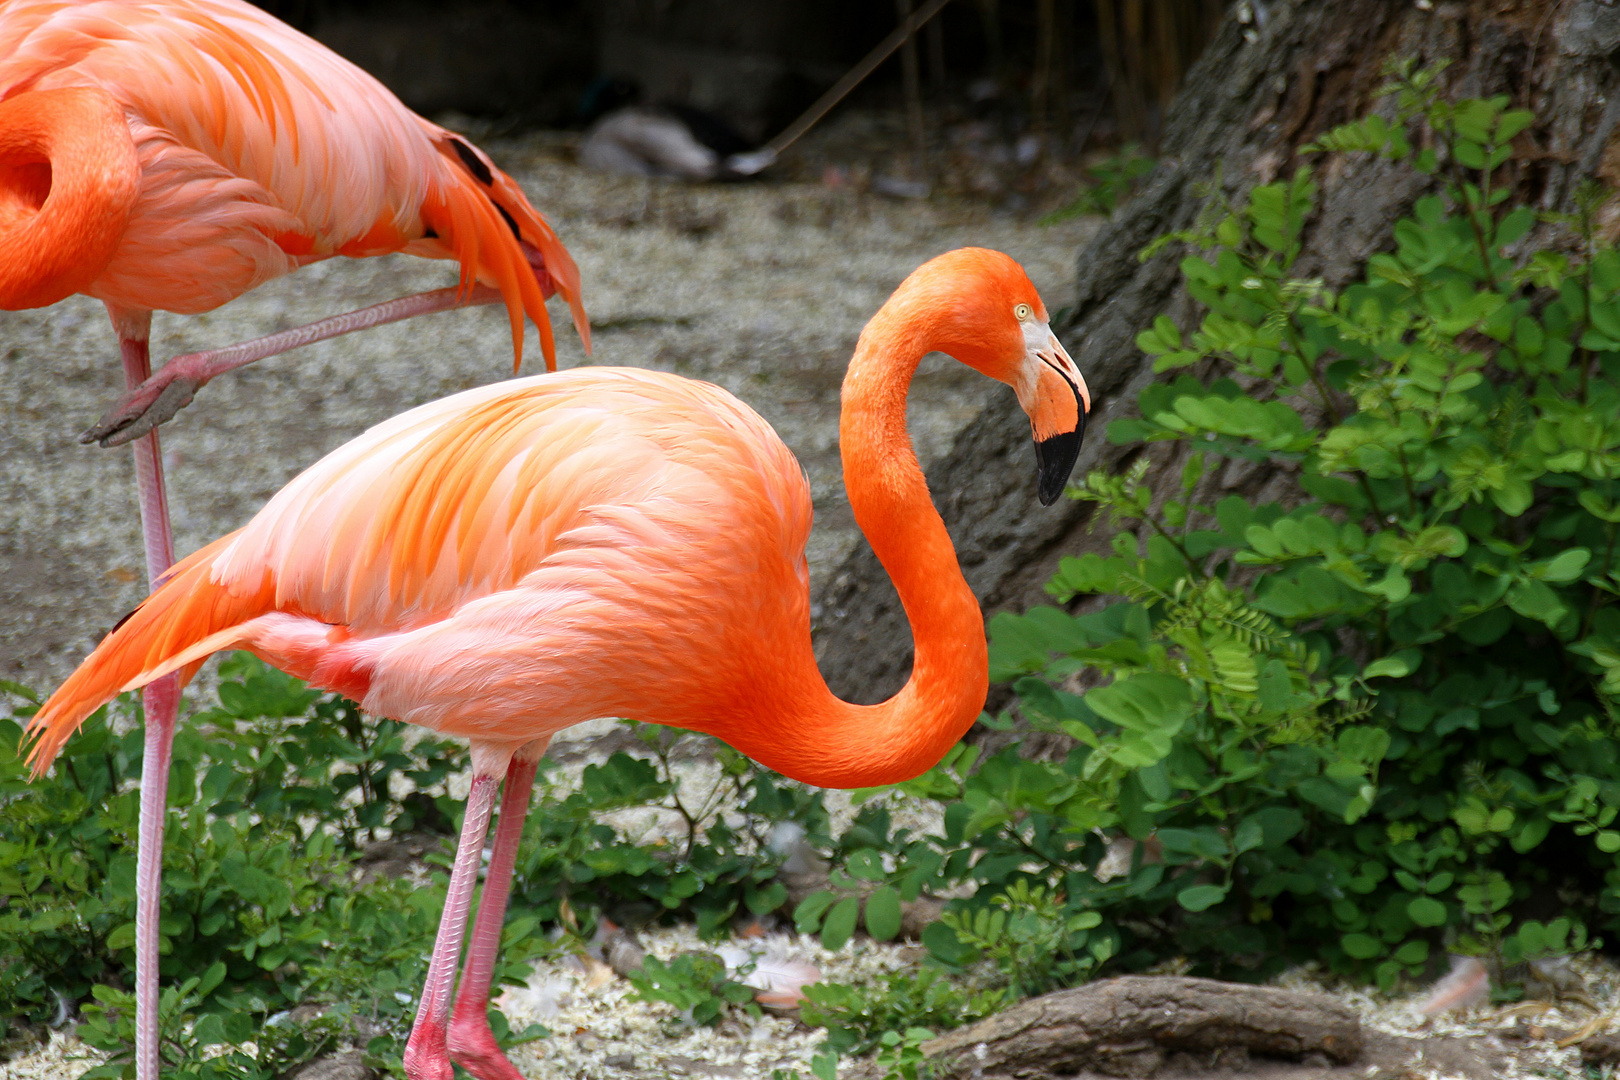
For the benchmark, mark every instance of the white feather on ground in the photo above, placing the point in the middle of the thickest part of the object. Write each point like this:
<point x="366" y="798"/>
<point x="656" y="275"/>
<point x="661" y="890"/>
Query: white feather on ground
<point x="1467" y="985"/>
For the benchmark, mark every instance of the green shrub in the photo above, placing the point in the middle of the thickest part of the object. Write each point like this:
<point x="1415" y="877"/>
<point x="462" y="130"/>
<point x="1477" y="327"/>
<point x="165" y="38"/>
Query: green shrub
<point x="273" y="796"/>
<point x="1110" y="183"/>
<point x="1371" y="720"/>
<point x="857" y="1017"/>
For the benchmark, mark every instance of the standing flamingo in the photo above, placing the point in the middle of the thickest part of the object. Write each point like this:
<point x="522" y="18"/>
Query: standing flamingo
<point x="605" y="542"/>
<point x="173" y="154"/>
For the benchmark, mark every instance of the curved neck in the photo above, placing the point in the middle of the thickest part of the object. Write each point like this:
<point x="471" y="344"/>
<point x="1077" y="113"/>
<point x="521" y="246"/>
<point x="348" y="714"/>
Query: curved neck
<point x="69" y="176"/>
<point x="818" y="738"/>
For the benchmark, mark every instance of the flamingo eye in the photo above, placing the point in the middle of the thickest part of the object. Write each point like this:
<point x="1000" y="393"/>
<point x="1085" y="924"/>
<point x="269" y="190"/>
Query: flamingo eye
<point x="1023" y="312"/>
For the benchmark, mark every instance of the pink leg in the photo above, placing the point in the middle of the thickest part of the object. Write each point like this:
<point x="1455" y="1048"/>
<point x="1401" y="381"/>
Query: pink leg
<point x="471" y="1043"/>
<point x="156" y="400"/>
<point x="159" y="398"/>
<point x="426" y="1055"/>
<point x="162" y="702"/>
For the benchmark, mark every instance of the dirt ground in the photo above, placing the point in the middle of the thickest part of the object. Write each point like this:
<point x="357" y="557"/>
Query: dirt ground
<point x="760" y="287"/>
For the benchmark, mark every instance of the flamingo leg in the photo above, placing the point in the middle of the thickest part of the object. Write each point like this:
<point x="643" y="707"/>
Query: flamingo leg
<point x="156" y="400"/>
<point x="162" y="703"/>
<point x="427" y="1056"/>
<point x="472" y="1044"/>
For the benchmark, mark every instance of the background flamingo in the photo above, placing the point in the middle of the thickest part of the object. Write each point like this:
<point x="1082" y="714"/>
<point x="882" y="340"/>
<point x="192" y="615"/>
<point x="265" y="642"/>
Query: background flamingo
<point x="511" y="560"/>
<point x="173" y="155"/>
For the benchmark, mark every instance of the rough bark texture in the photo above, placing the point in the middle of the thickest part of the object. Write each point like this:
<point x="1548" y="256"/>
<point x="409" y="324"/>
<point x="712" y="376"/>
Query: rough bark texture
<point x="1262" y="90"/>
<point x="1129" y="1025"/>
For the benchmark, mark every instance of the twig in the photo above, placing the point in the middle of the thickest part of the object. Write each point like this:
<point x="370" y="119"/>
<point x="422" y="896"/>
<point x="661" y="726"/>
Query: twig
<point x="853" y="78"/>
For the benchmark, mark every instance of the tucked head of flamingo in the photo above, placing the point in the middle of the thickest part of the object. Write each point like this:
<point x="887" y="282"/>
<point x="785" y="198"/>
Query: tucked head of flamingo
<point x="1000" y="328"/>
<point x="68" y="180"/>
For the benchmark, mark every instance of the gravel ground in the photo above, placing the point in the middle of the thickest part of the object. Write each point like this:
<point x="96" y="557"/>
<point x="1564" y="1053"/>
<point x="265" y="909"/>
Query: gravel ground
<point x="760" y="287"/>
<point x="599" y="1032"/>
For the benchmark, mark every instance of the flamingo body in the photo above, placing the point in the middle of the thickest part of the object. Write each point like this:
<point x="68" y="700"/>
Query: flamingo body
<point x="495" y="563"/>
<point x="257" y="151"/>
<point x="544" y="534"/>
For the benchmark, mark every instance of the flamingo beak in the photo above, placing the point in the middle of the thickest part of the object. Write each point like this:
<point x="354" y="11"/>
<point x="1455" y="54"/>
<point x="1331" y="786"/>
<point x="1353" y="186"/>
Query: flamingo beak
<point x="1055" y="396"/>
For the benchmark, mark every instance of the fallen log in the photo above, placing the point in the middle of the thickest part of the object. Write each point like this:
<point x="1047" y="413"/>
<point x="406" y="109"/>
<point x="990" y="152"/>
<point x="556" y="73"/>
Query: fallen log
<point x="1129" y="1026"/>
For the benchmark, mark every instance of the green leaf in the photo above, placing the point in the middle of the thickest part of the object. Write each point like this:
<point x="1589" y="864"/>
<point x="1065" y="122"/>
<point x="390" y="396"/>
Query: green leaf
<point x="1326" y="794"/>
<point x="1397" y="666"/>
<point x="883" y="914"/>
<point x="1201" y="897"/>
<point x="1144" y="702"/>
<point x="209" y="1030"/>
<point x="1412" y="952"/>
<point x="1361" y="946"/>
<point x="123" y="937"/>
<point x="839" y="925"/>
<point x="807" y="916"/>
<point x="944" y="945"/>
<point x="1536" y="600"/>
<point x="1426" y="911"/>
<point x="1566" y="566"/>
<point x="1250" y="835"/>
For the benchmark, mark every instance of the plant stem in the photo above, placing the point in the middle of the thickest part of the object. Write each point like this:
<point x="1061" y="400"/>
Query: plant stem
<point x="1411" y="491"/>
<point x="1473" y="213"/>
<point x="1328" y="406"/>
<point x="1180" y="550"/>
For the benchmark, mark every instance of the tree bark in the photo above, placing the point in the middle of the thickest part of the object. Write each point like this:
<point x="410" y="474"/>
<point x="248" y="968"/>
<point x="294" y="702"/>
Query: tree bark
<point x="1277" y="75"/>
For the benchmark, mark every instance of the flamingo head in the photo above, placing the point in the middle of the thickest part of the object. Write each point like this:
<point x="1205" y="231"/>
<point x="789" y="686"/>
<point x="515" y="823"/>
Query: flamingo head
<point x="982" y="309"/>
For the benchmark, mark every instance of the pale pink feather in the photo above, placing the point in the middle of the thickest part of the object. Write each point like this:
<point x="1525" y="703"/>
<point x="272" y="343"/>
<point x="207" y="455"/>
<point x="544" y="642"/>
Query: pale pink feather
<point x="1467" y="984"/>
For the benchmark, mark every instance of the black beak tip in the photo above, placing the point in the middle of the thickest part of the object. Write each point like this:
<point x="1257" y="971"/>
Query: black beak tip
<point x="1054" y="461"/>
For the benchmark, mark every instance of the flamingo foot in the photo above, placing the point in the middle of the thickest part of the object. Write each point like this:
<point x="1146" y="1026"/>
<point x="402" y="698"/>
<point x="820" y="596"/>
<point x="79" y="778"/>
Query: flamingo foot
<point x="473" y="1047"/>
<point x="160" y="397"/>
<point x="426" y="1057"/>
<point x="153" y="402"/>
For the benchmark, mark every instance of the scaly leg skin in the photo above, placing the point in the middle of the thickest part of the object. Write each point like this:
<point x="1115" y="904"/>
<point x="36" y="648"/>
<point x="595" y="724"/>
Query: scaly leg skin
<point x="427" y="1056"/>
<point x="156" y="400"/>
<point x="472" y="1044"/>
<point x="162" y="702"/>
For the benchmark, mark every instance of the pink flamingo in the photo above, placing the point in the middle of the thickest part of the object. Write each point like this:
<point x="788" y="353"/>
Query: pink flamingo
<point x="173" y="154"/>
<point x="511" y="560"/>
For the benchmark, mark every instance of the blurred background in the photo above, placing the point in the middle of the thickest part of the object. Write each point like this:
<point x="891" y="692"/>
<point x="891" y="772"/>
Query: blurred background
<point x="1012" y="94"/>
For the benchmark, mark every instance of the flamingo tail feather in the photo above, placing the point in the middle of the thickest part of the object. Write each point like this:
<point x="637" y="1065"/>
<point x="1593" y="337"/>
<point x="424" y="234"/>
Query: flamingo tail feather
<point x="187" y="618"/>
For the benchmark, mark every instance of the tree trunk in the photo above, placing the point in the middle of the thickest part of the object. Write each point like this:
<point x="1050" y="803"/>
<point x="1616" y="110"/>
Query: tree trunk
<point x="1277" y="75"/>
